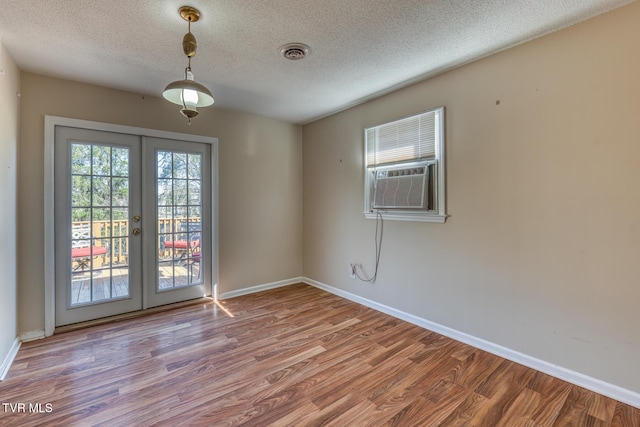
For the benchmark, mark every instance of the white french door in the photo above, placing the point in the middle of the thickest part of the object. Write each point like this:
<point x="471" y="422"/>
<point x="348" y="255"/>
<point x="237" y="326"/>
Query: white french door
<point x="132" y="223"/>
<point x="178" y="204"/>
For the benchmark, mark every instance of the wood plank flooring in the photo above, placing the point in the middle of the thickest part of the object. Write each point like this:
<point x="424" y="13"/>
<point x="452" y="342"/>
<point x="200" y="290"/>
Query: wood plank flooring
<point x="293" y="356"/>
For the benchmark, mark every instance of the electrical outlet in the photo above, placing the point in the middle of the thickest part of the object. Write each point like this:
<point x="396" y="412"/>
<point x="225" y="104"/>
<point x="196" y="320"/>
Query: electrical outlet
<point x="352" y="271"/>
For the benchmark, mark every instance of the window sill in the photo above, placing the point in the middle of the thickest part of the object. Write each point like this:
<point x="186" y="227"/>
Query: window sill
<point x="408" y="216"/>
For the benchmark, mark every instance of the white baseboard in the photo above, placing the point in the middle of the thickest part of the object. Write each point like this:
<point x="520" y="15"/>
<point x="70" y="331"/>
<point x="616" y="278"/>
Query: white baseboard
<point x="31" y="335"/>
<point x="258" y="288"/>
<point x="8" y="360"/>
<point x="601" y="387"/>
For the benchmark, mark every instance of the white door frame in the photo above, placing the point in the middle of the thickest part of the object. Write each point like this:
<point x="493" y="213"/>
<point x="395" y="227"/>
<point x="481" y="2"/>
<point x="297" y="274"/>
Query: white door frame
<point x="50" y="122"/>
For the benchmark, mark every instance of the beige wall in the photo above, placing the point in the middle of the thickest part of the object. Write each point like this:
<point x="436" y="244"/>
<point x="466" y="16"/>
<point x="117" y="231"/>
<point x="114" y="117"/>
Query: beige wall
<point x="260" y="177"/>
<point x="541" y="252"/>
<point x="9" y="107"/>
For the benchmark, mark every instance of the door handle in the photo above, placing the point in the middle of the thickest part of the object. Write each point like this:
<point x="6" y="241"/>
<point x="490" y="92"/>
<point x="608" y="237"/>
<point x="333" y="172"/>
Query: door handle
<point x="135" y="231"/>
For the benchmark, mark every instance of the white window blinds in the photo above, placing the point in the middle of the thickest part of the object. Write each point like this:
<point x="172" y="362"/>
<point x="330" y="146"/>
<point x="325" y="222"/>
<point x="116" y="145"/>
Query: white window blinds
<point x="413" y="138"/>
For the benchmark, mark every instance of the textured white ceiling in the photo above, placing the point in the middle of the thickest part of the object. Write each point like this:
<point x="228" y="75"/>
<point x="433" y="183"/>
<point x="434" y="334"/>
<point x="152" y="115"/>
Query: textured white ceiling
<point x="359" y="48"/>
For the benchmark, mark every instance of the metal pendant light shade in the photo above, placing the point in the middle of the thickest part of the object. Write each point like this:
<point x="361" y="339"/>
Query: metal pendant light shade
<point x="188" y="93"/>
<point x="173" y="92"/>
<point x="182" y="91"/>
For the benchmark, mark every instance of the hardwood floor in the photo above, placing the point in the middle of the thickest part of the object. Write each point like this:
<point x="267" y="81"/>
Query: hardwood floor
<point x="291" y="356"/>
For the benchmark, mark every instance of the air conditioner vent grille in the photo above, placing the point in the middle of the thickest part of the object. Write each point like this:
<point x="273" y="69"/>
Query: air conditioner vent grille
<point x="401" y="188"/>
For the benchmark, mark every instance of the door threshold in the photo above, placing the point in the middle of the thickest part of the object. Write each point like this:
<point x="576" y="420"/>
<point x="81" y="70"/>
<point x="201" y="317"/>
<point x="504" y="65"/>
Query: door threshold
<point x="131" y="315"/>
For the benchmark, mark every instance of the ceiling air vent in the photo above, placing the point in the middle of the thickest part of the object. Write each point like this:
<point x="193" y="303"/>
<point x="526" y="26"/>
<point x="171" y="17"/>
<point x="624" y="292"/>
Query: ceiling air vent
<point x="294" y="51"/>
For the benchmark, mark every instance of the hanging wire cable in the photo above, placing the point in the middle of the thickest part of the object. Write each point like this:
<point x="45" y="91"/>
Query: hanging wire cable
<point x="378" y="246"/>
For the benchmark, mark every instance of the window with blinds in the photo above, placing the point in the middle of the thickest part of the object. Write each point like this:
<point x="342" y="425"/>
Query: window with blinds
<point x="410" y="139"/>
<point x="404" y="168"/>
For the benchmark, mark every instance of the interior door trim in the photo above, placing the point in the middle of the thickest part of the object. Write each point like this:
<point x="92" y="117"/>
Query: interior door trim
<point x="50" y="123"/>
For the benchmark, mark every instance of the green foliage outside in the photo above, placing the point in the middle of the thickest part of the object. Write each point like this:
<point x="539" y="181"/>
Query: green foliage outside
<point x="100" y="183"/>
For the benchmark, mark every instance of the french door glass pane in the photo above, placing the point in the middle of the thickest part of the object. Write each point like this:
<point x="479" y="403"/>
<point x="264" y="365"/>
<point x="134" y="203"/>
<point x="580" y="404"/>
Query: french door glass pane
<point x="178" y="208"/>
<point x="99" y="223"/>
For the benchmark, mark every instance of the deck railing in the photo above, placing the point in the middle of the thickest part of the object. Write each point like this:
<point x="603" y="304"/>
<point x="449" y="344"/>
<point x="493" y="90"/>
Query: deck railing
<point x="115" y="234"/>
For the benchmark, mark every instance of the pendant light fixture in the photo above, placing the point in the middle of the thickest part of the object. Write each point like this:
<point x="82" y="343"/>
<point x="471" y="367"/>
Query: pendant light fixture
<point x="188" y="93"/>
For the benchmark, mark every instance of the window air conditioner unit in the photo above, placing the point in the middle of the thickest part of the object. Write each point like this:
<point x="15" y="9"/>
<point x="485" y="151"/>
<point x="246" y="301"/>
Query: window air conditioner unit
<point x="404" y="187"/>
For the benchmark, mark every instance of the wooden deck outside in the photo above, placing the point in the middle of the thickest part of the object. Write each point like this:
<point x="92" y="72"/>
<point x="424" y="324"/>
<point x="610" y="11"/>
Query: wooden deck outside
<point x="104" y="277"/>
<point x="112" y="283"/>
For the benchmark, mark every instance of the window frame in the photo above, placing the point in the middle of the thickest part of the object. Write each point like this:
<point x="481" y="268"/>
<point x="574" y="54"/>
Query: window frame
<point x="438" y="214"/>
